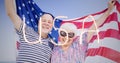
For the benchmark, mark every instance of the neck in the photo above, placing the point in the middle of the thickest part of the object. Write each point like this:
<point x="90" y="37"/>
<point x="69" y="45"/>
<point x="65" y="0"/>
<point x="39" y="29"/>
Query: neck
<point x="65" y="47"/>
<point x="44" y="35"/>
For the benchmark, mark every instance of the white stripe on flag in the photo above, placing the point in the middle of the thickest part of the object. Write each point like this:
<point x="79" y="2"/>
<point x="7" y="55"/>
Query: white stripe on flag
<point x="106" y="42"/>
<point x="111" y="25"/>
<point x="98" y="59"/>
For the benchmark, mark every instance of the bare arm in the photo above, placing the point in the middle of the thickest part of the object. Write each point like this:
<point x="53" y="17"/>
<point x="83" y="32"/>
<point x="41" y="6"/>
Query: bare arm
<point x="10" y="9"/>
<point x="101" y="20"/>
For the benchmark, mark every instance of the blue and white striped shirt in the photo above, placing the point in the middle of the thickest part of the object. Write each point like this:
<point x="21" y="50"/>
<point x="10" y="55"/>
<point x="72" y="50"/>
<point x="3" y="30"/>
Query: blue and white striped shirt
<point x="36" y="53"/>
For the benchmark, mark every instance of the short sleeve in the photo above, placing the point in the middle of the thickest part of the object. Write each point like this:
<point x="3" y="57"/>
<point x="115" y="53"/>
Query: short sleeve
<point x="19" y="31"/>
<point x="29" y="34"/>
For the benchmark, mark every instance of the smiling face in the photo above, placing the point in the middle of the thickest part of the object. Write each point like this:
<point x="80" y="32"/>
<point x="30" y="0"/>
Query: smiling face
<point x="67" y="29"/>
<point x="47" y="23"/>
<point x="63" y="37"/>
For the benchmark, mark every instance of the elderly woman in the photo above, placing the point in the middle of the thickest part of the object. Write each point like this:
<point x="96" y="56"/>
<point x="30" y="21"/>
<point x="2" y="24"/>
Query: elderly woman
<point x="71" y="51"/>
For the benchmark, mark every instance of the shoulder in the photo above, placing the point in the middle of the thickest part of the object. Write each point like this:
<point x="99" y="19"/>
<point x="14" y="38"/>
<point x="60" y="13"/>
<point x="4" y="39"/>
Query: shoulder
<point x="19" y="30"/>
<point x="26" y="28"/>
<point x="56" y="48"/>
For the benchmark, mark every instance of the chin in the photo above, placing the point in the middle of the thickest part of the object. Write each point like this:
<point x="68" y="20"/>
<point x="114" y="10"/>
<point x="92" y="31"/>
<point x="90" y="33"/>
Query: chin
<point x="45" y="31"/>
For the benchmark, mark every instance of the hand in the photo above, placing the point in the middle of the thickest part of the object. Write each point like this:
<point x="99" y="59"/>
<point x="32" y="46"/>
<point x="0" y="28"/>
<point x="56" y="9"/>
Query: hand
<point x="111" y="4"/>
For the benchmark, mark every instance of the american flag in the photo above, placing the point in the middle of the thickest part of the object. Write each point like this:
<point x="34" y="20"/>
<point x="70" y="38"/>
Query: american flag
<point x="32" y="13"/>
<point x="108" y="48"/>
<point x="106" y="51"/>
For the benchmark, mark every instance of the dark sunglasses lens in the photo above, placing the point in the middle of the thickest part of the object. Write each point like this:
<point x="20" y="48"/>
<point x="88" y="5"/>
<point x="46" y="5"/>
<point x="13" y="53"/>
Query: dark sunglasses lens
<point x="71" y="35"/>
<point x="62" y="33"/>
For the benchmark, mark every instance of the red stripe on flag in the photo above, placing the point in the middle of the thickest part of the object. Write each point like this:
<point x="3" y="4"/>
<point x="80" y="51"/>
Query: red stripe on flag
<point x="111" y="17"/>
<point x="118" y="6"/>
<point x="109" y="33"/>
<point x="79" y="24"/>
<point x="105" y="52"/>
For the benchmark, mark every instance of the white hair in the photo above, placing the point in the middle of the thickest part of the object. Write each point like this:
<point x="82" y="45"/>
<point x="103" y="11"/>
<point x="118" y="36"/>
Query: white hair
<point x="69" y="26"/>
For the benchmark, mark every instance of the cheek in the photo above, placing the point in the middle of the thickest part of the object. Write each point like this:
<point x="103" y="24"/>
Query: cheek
<point x="62" y="39"/>
<point x="43" y="23"/>
<point x="70" y="40"/>
<point x="51" y="25"/>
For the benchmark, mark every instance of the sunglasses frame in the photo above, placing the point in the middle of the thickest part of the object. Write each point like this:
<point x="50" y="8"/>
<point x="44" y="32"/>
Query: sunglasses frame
<point x="70" y="35"/>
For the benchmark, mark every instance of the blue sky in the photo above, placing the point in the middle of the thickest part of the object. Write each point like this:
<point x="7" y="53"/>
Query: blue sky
<point x="70" y="8"/>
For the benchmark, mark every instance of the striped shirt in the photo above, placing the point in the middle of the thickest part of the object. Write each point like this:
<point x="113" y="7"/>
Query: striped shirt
<point x="35" y="53"/>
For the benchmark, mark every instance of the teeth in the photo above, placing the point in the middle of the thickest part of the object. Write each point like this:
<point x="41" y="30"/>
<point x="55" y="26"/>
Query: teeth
<point x="46" y="27"/>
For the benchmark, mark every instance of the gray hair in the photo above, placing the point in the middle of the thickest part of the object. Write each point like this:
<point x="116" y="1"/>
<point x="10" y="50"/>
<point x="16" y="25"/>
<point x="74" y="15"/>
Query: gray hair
<point x="69" y="26"/>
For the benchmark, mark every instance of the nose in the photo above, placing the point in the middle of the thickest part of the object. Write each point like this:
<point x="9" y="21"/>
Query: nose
<point x="46" y="23"/>
<point x="66" y="39"/>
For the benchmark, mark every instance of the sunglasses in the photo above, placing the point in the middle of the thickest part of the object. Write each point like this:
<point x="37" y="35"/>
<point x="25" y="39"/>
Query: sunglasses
<point x="64" y="34"/>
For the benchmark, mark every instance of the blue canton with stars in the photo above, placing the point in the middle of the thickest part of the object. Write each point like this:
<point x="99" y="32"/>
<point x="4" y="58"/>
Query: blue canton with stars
<point x="32" y="13"/>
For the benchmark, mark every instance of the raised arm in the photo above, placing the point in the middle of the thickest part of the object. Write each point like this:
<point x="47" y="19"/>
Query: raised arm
<point x="101" y="20"/>
<point x="10" y="9"/>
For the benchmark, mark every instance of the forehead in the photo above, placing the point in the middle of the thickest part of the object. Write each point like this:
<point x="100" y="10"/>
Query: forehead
<point x="69" y="27"/>
<point x="47" y="16"/>
<point x="67" y="30"/>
